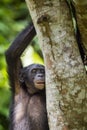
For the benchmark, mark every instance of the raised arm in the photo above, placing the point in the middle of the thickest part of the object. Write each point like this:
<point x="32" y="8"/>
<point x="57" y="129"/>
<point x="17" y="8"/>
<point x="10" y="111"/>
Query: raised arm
<point x="14" y="52"/>
<point x="21" y="42"/>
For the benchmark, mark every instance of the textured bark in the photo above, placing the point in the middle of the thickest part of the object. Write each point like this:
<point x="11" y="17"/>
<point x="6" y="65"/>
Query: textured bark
<point x="81" y="14"/>
<point x="66" y="80"/>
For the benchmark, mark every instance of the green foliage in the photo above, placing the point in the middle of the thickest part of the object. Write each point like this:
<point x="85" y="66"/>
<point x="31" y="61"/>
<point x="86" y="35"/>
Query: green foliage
<point x="32" y="54"/>
<point x="14" y="16"/>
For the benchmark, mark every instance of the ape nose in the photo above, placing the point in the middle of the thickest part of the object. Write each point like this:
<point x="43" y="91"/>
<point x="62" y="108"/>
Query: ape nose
<point x="40" y="75"/>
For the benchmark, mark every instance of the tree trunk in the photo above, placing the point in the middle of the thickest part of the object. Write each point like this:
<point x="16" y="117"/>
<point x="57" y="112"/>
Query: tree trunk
<point x="66" y="80"/>
<point x="81" y="14"/>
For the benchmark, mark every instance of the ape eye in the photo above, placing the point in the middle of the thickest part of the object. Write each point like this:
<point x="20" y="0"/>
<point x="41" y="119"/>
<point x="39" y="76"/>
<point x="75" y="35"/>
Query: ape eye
<point x="34" y="71"/>
<point x="42" y="71"/>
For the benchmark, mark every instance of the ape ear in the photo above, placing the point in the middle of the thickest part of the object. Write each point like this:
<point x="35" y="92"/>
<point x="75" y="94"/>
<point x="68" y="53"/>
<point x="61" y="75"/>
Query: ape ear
<point x="21" y="78"/>
<point x="23" y="74"/>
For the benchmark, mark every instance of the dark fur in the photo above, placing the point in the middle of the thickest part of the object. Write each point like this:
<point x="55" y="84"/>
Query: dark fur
<point x="28" y="107"/>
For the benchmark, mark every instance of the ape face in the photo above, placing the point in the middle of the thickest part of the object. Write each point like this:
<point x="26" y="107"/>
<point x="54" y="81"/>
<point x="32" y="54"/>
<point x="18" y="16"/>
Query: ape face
<point x="34" y="77"/>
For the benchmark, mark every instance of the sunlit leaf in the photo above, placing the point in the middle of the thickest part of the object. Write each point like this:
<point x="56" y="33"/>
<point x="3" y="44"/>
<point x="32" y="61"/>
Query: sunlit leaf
<point x="30" y="57"/>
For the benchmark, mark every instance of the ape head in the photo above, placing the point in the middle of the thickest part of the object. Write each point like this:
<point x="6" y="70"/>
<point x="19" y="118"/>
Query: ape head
<point x="33" y="76"/>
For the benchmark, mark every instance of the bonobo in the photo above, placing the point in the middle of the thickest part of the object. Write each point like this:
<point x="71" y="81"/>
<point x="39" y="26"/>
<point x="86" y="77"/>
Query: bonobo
<point x="28" y="107"/>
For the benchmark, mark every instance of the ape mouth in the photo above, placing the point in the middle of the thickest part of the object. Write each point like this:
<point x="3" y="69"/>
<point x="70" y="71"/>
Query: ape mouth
<point x="40" y="85"/>
<point x="40" y="82"/>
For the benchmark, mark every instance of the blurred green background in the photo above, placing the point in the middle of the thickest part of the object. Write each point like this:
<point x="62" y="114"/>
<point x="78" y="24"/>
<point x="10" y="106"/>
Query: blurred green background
<point x="14" y="16"/>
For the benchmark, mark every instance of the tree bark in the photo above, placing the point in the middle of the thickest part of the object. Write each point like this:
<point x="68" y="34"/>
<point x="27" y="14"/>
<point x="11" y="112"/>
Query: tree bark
<point x="81" y="14"/>
<point x="66" y="80"/>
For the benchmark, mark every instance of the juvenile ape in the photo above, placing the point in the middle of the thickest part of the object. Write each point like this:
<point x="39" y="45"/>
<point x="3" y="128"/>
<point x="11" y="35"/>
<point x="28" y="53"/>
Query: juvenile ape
<point x="28" y="107"/>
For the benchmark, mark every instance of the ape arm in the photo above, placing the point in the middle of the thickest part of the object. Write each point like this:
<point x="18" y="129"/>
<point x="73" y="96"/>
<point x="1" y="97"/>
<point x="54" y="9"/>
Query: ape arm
<point x="13" y="55"/>
<point x="21" y="42"/>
